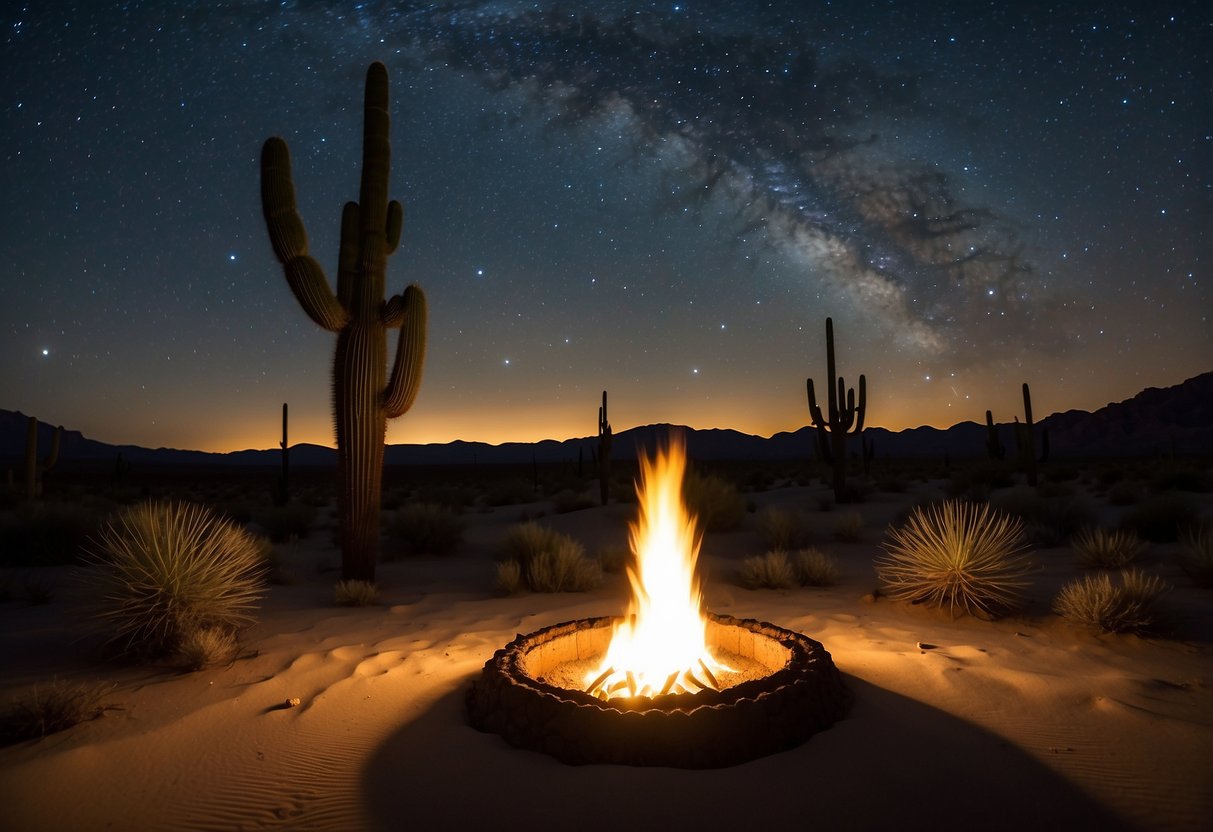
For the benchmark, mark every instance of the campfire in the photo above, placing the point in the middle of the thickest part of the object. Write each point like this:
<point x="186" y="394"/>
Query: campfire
<point x="668" y="683"/>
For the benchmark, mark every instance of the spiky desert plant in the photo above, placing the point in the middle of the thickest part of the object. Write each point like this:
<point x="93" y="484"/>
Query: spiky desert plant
<point x="956" y="554"/>
<point x="815" y="568"/>
<point x="206" y="646"/>
<point x="564" y="568"/>
<point x="1196" y="554"/>
<point x="509" y="577"/>
<point x="50" y="708"/>
<point x="166" y="569"/>
<point x="843" y="415"/>
<point x="355" y="593"/>
<point x="783" y="528"/>
<point x="426" y="529"/>
<point x="1127" y="606"/>
<point x="1099" y="548"/>
<point x="770" y="571"/>
<point x="364" y="397"/>
<point x="848" y="527"/>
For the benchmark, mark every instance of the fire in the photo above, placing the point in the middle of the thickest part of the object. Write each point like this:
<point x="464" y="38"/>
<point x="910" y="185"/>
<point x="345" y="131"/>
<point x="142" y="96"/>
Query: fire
<point x="661" y="645"/>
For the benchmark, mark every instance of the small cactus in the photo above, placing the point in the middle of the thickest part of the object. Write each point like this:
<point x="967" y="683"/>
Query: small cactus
<point x="604" y="451"/>
<point x="36" y="469"/>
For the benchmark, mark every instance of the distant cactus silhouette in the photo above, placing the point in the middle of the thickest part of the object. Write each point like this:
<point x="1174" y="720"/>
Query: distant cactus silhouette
<point x="282" y="492"/>
<point x="364" y="397"/>
<point x="840" y="418"/>
<point x="1025" y="439"/>
<point x="604" y="451"/>
<point x="994" y="446"/>
<point x="35" y="469"/>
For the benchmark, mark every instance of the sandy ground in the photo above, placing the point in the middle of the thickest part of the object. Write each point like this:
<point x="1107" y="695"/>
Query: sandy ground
<point x="1021" y="723"/>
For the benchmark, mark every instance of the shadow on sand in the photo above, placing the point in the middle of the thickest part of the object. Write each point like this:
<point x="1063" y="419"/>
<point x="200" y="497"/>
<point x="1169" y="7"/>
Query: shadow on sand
<point x="893" y="763"/>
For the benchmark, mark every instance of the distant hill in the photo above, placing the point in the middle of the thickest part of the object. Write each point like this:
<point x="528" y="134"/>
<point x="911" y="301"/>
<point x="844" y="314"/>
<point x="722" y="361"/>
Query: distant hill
<point x="1175" y="419"/>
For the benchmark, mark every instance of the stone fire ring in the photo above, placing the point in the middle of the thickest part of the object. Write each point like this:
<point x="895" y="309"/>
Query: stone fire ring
<point x="802" y="695"/>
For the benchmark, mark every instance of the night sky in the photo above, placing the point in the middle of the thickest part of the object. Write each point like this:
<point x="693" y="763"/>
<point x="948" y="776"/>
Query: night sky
<point x="664" y="200"/>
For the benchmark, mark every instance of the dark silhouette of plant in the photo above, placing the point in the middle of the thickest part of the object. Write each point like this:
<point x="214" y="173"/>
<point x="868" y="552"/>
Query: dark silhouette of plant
<point x="364" y="397"/>
<point x="843" y="415"/>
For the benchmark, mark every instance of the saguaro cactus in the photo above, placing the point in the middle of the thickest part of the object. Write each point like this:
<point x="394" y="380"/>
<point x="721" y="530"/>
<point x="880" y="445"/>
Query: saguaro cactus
<point x="1025" y="439"/>
<point x="364" y="397"/>
<point x="994" y="447"/>
<point x="282" y="492"/>
<point x="604" y="451"/>
<point x="840" y="418"/>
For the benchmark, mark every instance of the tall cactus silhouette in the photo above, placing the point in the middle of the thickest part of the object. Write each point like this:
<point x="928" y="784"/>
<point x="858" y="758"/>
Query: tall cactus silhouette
<point x="1025" y="439"/>
<point x="840" y="418"/>
<point x="364" y="397"/>
<point x="994" y="447"/>
<point x="604" y="451"/>
<point x="35" y="469"/>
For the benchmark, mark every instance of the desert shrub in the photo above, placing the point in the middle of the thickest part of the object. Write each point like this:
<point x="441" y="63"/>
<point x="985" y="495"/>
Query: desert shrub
<point x="426" y="529"/>
<point x="1161" y="519"/>
<point x="511" y="493"/>
<point x="848" y="527"/>
<point x="1196" y="554"/>
<point x="568" y="500"/>
<point x="614" y="558"/>
<point x="770" y="571"/>
<point x="207" y="646"/>
<point x="714" y="500"/>
<point x="526" y="540"/>
<point x="815" y="568"/>
<point x="564" y="568"/>
<point x="355" y="593"/>
<point x="47" y="709"/>
<point x="47" y="534"/>
<point x="1101" y="549"/>
<point x="282" y="523"/>
<point x="1127" y="606"/>
<point x="958" y="555"/>
<point x="509" y="577"/>
<point x="783" y="529"/>
<point x="166" y="569"/>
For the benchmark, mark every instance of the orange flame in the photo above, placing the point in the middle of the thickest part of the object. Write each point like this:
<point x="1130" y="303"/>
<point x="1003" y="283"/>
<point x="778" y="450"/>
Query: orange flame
<point x="661" y="645"/>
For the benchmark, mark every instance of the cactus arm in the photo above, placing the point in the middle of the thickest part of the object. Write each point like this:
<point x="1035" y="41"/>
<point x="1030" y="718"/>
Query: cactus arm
<point x="393" y="312"/>
<point x="814" y="410"/>
<point x="289" y="239"/>
<point x="863" y="403"/>
<point x="410" y="355"/>
<point x="395" y="221"/>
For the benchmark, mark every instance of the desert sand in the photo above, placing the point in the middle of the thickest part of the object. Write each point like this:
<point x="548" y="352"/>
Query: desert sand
<point x="1027" y="722"/>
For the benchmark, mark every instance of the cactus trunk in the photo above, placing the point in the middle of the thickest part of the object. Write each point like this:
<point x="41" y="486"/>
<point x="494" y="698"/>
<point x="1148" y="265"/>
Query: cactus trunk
<point x="844" y="415"/>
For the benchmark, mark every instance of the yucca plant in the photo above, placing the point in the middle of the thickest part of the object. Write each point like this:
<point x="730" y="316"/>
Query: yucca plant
<point x="168" y="569"/>
<point x="1101" y="549"/>
<point x="957" y="555"/>
<point x="770" y="571"/>
<point x="1127" y="606"/>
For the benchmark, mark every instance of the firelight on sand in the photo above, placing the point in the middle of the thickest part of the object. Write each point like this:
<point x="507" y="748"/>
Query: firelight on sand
<point x="660" y="646"/>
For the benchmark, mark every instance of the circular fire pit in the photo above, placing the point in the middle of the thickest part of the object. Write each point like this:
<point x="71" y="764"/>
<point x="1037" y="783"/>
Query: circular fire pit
<point x="797" y="692"/>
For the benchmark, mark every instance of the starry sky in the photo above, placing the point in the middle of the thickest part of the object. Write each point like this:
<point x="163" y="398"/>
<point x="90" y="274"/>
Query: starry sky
<point x="664" y="200"/>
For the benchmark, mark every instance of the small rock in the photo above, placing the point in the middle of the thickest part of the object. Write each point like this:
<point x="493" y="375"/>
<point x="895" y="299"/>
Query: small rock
<point x="293" y="702"/>
<point x="922" y="645"/>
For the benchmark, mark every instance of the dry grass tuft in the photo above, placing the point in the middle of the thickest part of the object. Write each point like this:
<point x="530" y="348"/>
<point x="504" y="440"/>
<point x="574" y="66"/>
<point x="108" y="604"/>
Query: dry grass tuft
<point x="355" y="593"/>
<point x="1113" y="608"/>
<point x="206" y="647"/>
<point x="564" y="568"/>
<point x="770" y="571"/>
<point x="50" y="708"/>
<point x="1101" y="549"/>
<point x="509" y="577"/>
<point x="815" y="568"/>
<point x="956" y="555"/>
<point x="1196" y="554"/>
<point x="848" y="527"/>
<point x="784" y="529"/>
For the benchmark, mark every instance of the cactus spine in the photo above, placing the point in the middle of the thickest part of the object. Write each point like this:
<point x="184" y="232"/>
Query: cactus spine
<point x="604" y="451"/>
<point x="364" y="396"/>
<point x="840" y="418"/>
<point x="35" y="469"/>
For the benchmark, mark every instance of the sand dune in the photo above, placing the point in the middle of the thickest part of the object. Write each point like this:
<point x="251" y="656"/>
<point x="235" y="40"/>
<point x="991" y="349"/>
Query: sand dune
<point x="1021" y="723"/>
